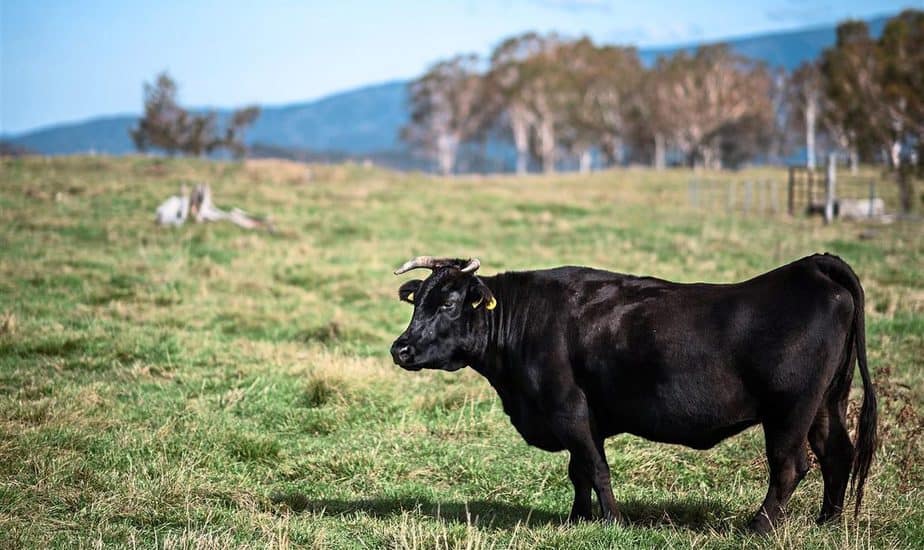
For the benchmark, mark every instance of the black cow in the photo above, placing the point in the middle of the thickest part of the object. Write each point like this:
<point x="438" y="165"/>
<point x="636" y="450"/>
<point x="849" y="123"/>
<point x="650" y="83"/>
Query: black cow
<point x="578" y="354"/>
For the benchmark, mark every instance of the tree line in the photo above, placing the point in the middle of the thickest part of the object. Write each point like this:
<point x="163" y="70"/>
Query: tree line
<point x="555" y="99"/>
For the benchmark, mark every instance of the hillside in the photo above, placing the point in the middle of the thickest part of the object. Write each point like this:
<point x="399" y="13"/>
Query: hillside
<point x="365" y="122"/>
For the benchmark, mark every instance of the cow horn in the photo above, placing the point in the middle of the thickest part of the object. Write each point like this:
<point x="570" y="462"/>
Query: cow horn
<point x="428" y="262"/>
<point x="472" y="266"/>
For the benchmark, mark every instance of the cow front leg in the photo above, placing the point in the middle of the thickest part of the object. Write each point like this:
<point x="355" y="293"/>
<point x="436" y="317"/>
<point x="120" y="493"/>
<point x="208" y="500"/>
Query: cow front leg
<point x="581" y="509"/>
<point x="588" y="463"/>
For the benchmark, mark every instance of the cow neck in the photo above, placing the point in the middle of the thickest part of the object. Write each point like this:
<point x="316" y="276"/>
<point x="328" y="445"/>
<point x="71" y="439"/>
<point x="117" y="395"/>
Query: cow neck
<point x="496" y="334"/>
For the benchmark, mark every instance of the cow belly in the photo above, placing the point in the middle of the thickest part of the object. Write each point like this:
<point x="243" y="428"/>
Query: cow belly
<point x="536" y="433"/>
<point x="532" y="426"/>
<point x="675" y="414"/>
<point x="691" y="433"/>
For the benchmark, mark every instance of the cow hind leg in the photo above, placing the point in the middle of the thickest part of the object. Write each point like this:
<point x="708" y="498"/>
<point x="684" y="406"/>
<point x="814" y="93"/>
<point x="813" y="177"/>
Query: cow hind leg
<point x="788" y="464"/>
<point x="831" y="443"/>
<point x="604" y="488"/>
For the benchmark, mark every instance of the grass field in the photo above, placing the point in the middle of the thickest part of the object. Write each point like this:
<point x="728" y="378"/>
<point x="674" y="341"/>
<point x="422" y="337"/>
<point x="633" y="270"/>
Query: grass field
<point x="206" y="386"/>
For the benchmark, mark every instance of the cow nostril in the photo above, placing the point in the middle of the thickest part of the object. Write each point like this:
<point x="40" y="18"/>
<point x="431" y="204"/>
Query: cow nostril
<point x="402" y="352"/>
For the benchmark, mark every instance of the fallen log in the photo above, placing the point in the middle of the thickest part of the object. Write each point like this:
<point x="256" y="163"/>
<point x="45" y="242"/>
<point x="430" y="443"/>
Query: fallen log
<point x="199" y="206"/>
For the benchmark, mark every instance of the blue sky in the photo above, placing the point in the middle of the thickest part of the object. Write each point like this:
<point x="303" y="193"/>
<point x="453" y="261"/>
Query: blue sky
<point x="70" y="60"/>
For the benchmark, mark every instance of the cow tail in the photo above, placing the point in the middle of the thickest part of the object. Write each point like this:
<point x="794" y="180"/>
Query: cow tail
<point x="866" y="440"/>
<point x="866" y="433"/>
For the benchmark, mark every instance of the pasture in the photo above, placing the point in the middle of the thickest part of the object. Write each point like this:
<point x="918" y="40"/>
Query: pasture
<point x="205" y="386"/>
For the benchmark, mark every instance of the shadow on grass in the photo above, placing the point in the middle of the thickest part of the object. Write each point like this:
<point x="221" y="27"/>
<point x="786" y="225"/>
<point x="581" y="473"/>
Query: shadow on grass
<point x="481" y="512"/>
<point x="696" y="515"/>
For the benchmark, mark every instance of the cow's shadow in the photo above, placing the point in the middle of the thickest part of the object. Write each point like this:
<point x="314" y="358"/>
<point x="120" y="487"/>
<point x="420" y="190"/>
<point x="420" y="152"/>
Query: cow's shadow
<point x="696" y="515"/>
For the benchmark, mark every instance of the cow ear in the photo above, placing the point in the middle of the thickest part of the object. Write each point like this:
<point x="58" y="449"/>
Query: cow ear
<point x="407" y="290"/>
<point x="479" y="295"/>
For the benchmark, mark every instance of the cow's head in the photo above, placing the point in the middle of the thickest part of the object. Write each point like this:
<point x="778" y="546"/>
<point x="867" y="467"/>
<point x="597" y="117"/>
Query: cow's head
<point x="443" y="333"/>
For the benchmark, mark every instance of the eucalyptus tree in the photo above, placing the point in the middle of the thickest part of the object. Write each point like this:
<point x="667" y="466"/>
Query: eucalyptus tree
<point x="448" y="108"/>
<point x="853" y="87"/>
<point x="699" y="97"/>
<point x="602" y="88"/>
<point x="524" y="71"/>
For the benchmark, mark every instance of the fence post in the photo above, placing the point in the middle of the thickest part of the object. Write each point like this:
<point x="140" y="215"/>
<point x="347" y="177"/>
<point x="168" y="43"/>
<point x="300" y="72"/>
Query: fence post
<point x="872" y="196"/>
<point x="730" y="198"/>
<point x="810" y="190"/>
<point x="830" y="188"/>
<point x="694" y="200"/>
<point x="748" y="189"/>
<point x="762" y="196"/>
<point x="774" y="197"/>
<point x="792" y="190"/>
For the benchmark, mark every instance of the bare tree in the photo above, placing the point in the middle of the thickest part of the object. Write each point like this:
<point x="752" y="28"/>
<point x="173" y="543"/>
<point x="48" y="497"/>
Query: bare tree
<point x="449" y="105"/>
<point x="805" y="91"/>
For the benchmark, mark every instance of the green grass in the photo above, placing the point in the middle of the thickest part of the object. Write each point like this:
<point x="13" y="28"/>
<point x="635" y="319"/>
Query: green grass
<point x="205" y="386"/>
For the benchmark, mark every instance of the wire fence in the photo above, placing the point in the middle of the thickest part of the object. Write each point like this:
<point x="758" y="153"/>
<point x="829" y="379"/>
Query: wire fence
<point x="805" y="192"/>
<point x="751" y="196"/>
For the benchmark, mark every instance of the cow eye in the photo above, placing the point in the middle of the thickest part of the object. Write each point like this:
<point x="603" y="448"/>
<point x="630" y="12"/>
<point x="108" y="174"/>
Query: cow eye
<point x="447" y="305"/>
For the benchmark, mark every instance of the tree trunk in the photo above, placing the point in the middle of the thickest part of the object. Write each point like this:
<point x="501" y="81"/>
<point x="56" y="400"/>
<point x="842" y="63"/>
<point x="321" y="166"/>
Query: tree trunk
<point x="618" y="153"/>
<point x="520" y="130"/>
<point x="854" y="161"/>
<point x="585" y="161"/>
<point x="660" y="155"/>
<point x="447" y="147"/>
<point x="895" y="155"/>
<point x="710" y="157"/>
<point x="547" y="145"/>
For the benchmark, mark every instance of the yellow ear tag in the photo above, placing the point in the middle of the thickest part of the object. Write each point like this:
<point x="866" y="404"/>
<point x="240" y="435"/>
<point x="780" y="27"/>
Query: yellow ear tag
<point x="410" y="297"/>
<point x="492" y="304"/>
<point x="476" y="304"/>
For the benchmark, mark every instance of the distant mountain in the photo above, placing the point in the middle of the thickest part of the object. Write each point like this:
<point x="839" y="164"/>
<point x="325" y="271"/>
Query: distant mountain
<point x="365" y="122"/>
<point x="787" y="49"/>
<point x="102" y="135"/>
<point x="358" y="122"/>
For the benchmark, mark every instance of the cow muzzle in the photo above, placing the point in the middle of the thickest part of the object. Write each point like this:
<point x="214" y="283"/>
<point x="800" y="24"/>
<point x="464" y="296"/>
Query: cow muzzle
<point x="402" y="354"/>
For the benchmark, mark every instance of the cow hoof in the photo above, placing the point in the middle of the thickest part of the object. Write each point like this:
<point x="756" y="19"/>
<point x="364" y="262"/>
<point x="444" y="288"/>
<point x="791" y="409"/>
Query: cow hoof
<point x="576" y="517"/>
<point x="614" y="518"/>
<point x="827" y="517"/>
<point x="760" y="525"/>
